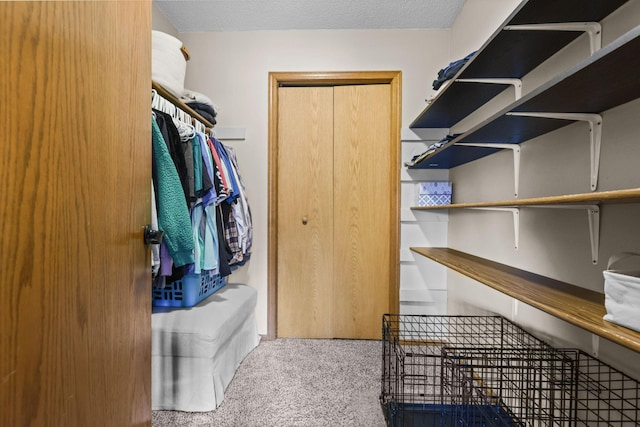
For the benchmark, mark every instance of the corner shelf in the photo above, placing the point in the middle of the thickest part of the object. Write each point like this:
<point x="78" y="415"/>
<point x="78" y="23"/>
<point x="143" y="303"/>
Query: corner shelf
<point x="578" y="306"/>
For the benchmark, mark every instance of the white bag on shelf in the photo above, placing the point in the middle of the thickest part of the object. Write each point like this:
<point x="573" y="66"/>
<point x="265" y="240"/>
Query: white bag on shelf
<point x="622" y="293"/>
<point x="168" y="62"/>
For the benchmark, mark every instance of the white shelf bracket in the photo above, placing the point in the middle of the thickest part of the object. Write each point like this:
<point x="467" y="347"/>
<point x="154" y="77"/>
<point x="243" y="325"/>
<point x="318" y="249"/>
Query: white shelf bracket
<point x="516" y="83"/>
<point x="516" y="220"/>
<point x="515" y="148"/>
<point x="593" y="213"/>
<point x="593" y="29"/>
<point x="595" y="135"/>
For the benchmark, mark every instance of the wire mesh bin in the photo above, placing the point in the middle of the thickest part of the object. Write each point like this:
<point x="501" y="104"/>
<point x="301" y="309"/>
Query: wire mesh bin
<point x="486" y="371"/>
<point x="509" y="387"/>
<point x="413" y="393"/>
<point x="602" y="395"/>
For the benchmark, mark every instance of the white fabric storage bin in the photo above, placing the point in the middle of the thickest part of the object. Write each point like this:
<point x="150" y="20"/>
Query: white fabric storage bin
<point x="168" y="63"/>
<point x="622" y="293"/>
<point x="196" y="351"/>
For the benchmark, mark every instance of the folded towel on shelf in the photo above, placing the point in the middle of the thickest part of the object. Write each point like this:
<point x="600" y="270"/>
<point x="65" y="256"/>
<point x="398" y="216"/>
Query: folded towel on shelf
<point x="201" y="104"/>
<point x="205" y="110"/>
<point x="189" y="95"/>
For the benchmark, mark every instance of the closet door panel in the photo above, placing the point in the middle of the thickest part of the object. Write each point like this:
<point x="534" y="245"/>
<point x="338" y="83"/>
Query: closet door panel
<point x="362" y="198"/>
<point x="305" y="212"/>
<point x="75" y="162"/>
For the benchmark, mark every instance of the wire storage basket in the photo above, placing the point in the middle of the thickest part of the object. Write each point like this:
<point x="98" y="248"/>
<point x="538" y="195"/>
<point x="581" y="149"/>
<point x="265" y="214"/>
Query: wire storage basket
<point x="602" y="395"/>
<point x="413" y="392"/>
<point x="509" y="387"/>
<point x="485" y="371"/>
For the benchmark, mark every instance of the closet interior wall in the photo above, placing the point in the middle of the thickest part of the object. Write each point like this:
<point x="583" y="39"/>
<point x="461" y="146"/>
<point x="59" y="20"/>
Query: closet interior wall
<point x="424" y="288"/>
<point x="238" y="71"/>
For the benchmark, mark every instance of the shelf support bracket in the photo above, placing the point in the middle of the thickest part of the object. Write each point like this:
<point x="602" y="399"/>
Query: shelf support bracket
<point x="593" y="29"/>
<point x="516" y="83"/>
<point x="516" y="158"/>
<point x="516" y="220"/>
<point x="595" y="135"/>
<point x="593" y="213"/>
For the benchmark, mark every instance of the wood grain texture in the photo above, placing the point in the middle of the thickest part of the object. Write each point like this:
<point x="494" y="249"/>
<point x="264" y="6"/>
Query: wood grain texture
<point x="362" y="187"/>
<point x="277" y="80"/>
<point x="631" y="195"/>
<point x="305" y="215"/>
<point x="334" y="78"/>
<point x="576" y="305"/>
<point x="75" y="172"/>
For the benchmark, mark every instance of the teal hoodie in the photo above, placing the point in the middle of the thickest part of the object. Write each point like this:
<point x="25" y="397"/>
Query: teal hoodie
<point x="173" y="213"/>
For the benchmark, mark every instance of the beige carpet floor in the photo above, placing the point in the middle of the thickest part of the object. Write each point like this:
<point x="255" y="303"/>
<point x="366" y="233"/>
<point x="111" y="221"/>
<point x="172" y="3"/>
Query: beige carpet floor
<point x="298" y="383"/>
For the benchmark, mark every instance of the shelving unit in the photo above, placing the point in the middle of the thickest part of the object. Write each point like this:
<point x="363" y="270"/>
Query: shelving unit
<point x="574" y="94"/>
<point x="576" y="305"/>
<point x="534" y="32"/>
<point x="513" y="53"/>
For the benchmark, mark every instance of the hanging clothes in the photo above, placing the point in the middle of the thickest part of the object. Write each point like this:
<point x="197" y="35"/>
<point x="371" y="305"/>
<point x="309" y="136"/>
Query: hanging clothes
<point x="200" y="202"/>
<point x="174" y="144"/>
<point x="173" y="213"/>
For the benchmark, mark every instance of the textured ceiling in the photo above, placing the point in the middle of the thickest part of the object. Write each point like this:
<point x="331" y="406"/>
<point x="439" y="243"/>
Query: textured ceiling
<point x="255" y="15"/>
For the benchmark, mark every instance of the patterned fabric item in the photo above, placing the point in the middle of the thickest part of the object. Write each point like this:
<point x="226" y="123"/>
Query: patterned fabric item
<point x="231" y="234"/>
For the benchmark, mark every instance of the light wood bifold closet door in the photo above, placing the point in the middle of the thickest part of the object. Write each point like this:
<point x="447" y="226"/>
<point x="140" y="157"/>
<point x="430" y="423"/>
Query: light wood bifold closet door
<point x="334" y="215"/>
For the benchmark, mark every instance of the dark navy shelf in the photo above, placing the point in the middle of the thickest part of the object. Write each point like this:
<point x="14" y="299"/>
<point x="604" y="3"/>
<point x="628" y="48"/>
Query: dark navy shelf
<point x="511" y="54"/>
<point x="606" y="79"/>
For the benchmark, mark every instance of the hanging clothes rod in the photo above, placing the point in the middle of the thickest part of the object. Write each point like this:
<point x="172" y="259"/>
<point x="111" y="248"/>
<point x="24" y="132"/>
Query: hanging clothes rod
<point x="158" y="102"/>
<point x="182" y="106"/>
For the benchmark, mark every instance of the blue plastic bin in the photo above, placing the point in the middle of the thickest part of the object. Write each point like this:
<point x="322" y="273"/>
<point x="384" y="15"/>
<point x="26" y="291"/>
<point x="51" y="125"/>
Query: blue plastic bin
<point x="188" y="291"/>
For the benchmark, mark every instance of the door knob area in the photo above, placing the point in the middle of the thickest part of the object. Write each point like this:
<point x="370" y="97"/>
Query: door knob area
<point x="304" y="220"/>
<point x="151" y="236"/>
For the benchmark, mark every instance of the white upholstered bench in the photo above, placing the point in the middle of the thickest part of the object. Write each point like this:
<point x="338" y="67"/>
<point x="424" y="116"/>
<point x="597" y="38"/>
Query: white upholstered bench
<point x="196" y="351"/>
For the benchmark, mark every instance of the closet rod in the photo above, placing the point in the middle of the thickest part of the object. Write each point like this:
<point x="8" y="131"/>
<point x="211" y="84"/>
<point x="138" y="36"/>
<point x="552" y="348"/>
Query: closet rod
<point x="178" y="103"/>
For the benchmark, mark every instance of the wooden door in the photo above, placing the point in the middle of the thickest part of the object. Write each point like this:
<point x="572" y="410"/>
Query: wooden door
<point x="334" y="211"/>
<point x="363" y="181"/>
<point x="75" y="81"/>
<point x="305" y="220"/>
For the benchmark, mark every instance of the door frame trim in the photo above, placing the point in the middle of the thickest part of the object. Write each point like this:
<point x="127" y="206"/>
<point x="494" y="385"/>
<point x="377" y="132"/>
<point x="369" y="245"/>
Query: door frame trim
<point x="279" y="79"/>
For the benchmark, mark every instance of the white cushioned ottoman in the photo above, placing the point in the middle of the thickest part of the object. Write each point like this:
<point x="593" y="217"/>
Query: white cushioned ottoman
<point x="195" y="351"/>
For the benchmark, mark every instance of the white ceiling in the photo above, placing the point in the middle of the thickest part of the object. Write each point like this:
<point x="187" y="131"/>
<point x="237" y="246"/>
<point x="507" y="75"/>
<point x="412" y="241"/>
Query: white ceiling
<point x="257" y="15"/>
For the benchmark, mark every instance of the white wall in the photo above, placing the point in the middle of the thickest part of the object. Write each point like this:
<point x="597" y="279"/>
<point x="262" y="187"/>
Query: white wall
<point x="232" y="68"/>
<point x="423" y="283"/>
<point x="553" y="242"/>
<point x="160" y="22"/>
<point x="476" y="22"/>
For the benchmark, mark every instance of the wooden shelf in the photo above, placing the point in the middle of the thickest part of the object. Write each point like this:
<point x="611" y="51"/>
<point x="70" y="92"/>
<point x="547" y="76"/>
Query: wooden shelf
<point x="614" y="196"/>
<point x="511" y="54"/>
<point x="178" y="103"/>
<point x="573" y="304"/>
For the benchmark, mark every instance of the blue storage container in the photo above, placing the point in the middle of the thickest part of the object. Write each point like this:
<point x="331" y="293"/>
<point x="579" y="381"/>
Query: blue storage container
<point x="188" y="291"/>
